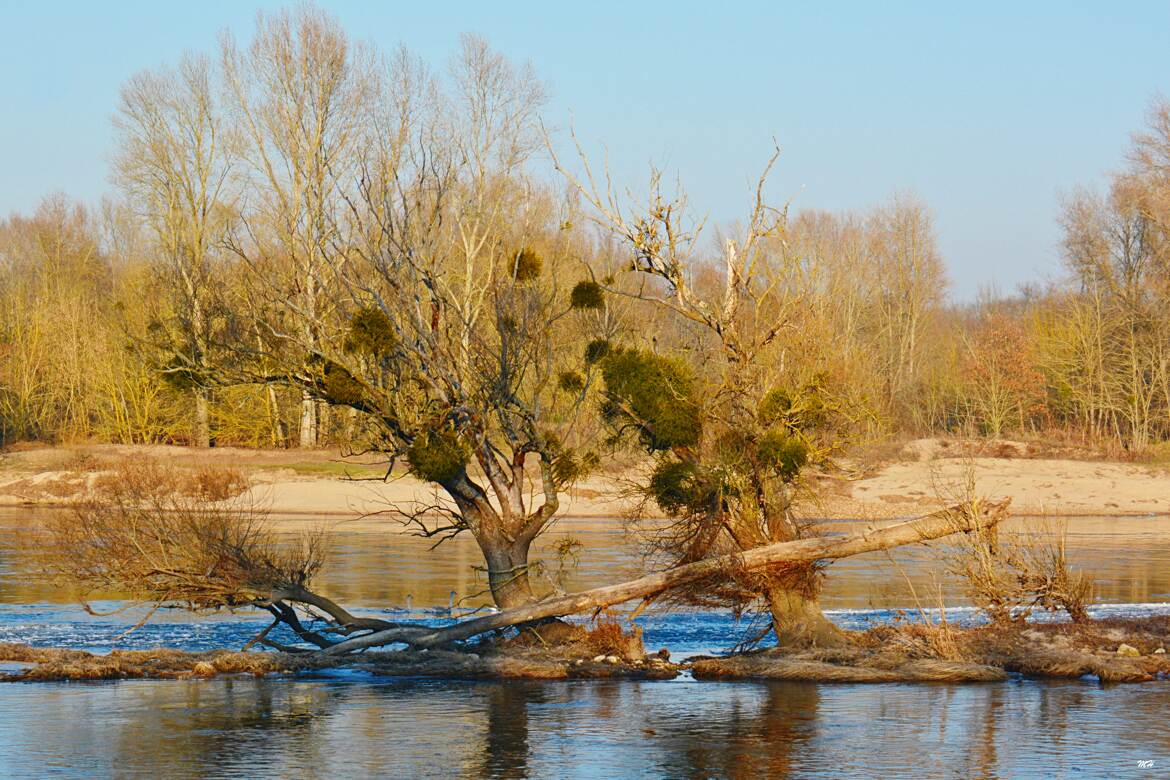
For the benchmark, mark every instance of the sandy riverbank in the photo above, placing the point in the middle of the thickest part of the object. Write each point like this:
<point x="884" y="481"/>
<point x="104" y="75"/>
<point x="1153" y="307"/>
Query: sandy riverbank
<point x="319" y="483"/>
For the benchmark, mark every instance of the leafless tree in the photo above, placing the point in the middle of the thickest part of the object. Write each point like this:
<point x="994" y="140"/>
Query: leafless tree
<point x="173" y="163"/>
<point x="732" y="437"/>
<point x="299" y="93"/>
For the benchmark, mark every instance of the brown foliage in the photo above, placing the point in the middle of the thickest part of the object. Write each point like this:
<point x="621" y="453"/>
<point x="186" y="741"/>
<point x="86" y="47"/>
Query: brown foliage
<point x="608" y="637"/>
<point x="1009" y="578"/>
<point x="55" y="664"/>
<point x="162" y="537"/>
<point x="1005" y="387"/>
<point x="217" y="483"/>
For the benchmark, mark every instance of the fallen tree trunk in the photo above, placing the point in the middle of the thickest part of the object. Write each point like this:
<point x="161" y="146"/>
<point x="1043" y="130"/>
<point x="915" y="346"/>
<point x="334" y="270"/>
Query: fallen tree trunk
<point x="961" y="518"/>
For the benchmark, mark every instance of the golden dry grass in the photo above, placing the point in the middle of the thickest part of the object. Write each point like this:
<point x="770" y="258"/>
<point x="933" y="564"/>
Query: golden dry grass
<point x="898" y="653"/>
<point x="911" y="653"/>
<point x="55" y="664"/>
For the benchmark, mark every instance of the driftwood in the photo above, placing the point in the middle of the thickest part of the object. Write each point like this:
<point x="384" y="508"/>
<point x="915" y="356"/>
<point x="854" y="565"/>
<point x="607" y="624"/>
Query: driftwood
<point x="960" y="518"/>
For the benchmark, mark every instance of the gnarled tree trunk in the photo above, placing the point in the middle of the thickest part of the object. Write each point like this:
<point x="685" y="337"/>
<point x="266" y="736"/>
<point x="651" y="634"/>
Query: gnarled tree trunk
<point x="798" y="621"/>
<point x="507" y="564"/>
<point x="504" y="534"/>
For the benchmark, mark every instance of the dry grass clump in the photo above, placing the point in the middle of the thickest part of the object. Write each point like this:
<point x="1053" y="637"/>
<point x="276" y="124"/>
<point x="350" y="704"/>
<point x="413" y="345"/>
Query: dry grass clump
<point x="159" y="536"/>
<point x="557" y="639"/>
<point x="1009" y="578"/>
<point x="608" y="637"/>
<point x="54" y="664"/>
<point x="919" y="640"/>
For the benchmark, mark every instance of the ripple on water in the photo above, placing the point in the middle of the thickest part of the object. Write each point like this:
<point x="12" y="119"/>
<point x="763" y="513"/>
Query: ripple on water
<point x="355" y="726"/>
<point x="350" y="724"/>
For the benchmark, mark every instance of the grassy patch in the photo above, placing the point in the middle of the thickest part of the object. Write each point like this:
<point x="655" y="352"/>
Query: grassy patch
<point x="329" y="468"/>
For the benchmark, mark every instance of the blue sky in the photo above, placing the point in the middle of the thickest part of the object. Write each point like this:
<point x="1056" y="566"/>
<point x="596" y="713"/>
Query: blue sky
<point x="987" y="111"/>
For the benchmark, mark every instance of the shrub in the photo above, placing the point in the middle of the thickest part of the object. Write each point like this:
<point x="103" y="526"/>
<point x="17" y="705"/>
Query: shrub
<point x="1009" y="578"/>
<point x="607" y="637"/>
<point x="341" y="387"/>
<point x="803" y="410"/>
<point x="156" y="535"/>
<point x="180" y="374"/>
<point x="527" y="265"/>
<point x="217" y="484"/>
<point x="784" y="454"/>
<point x="676" y="486"/>
<point x="597" y="350"/>
<point x="571" y="382"/>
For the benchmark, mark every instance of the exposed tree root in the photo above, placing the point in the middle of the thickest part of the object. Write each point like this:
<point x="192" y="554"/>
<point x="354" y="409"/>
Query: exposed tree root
<point x="554" y="651"/>
<point x="901" y="653"/>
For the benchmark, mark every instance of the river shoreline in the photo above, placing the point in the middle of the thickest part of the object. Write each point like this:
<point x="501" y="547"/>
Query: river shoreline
<point x="922" y="476"/>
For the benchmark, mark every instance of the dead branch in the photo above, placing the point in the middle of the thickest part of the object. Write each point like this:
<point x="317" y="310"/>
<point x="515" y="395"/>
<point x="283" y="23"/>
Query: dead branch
<point x="966" y="518"/>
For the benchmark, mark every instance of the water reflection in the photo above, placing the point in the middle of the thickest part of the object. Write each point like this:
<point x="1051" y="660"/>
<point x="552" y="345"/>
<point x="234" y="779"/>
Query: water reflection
<point x="1129" y="559"/>
<point x="366" y="728"/>
<point x="763" y="732"/>
<point x="353" y="725"/>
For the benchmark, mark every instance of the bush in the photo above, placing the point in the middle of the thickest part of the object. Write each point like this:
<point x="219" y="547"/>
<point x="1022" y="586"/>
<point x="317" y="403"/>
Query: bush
<point x="527" y="265"/>
<point x="676" y="486"/>
<point x="784" y="454"/>
<point x="340" y="387"/>
<point x="1009" y="578"/>
<point x="597" y="350"/>
<point x="607" y="637"/>
<point x="571" y="382"/>
<point x="157" y="535"/>
<point x="803" y="410"/>
<point x="217" y="484"/>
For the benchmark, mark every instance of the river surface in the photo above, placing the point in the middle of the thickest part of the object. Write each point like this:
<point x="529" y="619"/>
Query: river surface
<point x="347" y="724"/>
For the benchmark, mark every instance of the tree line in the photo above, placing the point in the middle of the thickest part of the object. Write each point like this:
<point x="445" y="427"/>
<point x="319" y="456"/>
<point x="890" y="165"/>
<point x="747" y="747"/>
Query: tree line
<point x="256" y="186"/>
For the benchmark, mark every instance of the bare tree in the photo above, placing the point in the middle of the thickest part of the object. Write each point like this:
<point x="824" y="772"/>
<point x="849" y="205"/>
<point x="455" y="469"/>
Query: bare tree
<point x="908" y="284"/>
<point x="427" y="292"/>
<point x="173" y="163"/>
<point x="1115" y="252"/>
<point x="731" y="438"/>
<point x="299" y="91"/>
<point x="55" y="282"/>
<point x="455" y="309"/>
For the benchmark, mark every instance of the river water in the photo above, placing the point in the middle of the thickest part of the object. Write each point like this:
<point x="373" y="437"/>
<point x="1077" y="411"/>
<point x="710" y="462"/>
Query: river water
<point x="348" y="724"/>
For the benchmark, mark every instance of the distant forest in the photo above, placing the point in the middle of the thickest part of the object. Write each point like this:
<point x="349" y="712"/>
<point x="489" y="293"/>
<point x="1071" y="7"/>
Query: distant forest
<point x="314" y="243"/>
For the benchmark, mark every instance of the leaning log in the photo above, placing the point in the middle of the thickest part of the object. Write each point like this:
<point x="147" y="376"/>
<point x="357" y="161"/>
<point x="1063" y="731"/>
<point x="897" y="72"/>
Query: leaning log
<point x="961" y="518"/>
